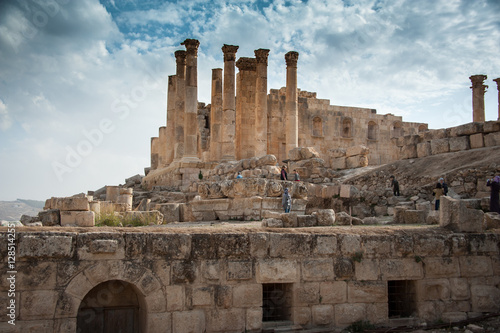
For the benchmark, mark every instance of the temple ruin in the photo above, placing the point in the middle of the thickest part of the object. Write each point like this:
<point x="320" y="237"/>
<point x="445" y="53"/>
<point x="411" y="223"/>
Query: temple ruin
<point x="216" y="253"/>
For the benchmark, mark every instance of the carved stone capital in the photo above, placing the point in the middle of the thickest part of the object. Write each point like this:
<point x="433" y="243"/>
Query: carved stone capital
<point x="229" y="52"/>
<point x="498" y="83"/>
<point x="477" y="81"/>
<point x="191" y="46"/>
<point x="291" y="58"/>
<point x="261" y="55"/>
<point x="180" y="57"/>
<point x="246" y="64"/>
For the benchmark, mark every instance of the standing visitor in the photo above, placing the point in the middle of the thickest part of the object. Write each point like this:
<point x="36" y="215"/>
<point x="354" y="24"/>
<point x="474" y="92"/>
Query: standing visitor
<point x="437" y="192"/>
<point x="444" y="186"/>
<point x="296" y="175"/>
<point x="286" y="201"/>
<point x="283" y="175"/>
<point x="395" y="185"/>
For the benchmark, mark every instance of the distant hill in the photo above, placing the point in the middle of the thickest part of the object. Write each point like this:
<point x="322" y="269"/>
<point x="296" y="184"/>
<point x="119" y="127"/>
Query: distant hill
<point x="13" y="210"/>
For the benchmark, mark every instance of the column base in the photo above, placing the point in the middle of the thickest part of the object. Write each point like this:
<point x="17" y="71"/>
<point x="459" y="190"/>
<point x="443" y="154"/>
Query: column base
<point x="188" y="159"/>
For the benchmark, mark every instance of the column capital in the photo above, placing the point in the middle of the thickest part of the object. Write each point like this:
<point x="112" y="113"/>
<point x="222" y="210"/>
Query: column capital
<point x="246" y="64"/>
<point x="191" y="46"/>
<point x="229" y="52"/>
<point x="180" y="57"/>
<point x="291" y="58"/>
<point x="261" y="55"/>
<point x="477" y="81"/>
<point x="497" y="80"/>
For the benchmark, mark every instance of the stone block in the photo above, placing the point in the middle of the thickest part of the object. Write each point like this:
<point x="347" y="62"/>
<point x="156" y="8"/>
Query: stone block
<point x="305" y="294"/>
<point x="45" y="246"/>
<point x="367" y="291"/>
<point x="211" y="270"/>
<point x="349" y="244"/>
<point x="322" y="314"/>
<point x="347" y="191"/>
<point x="159" y="323"/>
<point x="424" y="149"/>
<point x="289" y="245"/>
<point x="277" y="271"/>
<point x="171" y="246"/>
<point x="338" y="152"/>
<point x="485" y="298"/>
<point x="492" y="139"/>
<point x="272" y="204"/>
<point x="454" y="215"/>
<point x="247" y="295"/>
<point x="254" y="319"/>
<point x="338" y="163"/>
<point x="272" y="223"/>
<point x="38" y="304"/>
<point x="358" y="161"/>
<point x="475" y="266"/>
<point x="202" y="296"/>
<point x="437" y="267"/>
<point x="433" y="290"/>
<point x="170" y="211"/>
<point x="401" y="269"/>
<point x="325" y="244"/>
<point x="103" y="246"/>
<point x="367" y="270"/>
<point x="408" y="151"/>
<point x="440" y="146"/>
<point x="466" y="129"/>
<point x="78" y="218"/>
<point x="459" y="143"/>
<point x="289" y="220"/>
<point x="188" y="321"/>
<point x="152" y="217"/>
<point x="476" y="141"/>
<point x="317" y="269"/>
<point x="50" y="217"/>
<point x="225" y="320"/>
<point x="414" y="216"/>
<point x="491" y="221"/>
<point x="175" y="298"/>
<point x="459" y="289"/>
<point x="304" y="221"/>
<point x="346" y="314"/>
<point x="301" y="315"/>
<point x="325" y="217"/>
<point x="357" y="150"/>
<point x="334" y="292"/>
<point x="491" y="126"/>
<point x="239" y="270"/>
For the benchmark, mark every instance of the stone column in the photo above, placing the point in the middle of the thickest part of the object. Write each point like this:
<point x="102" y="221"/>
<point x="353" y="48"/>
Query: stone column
<point x="216" y="116"/>
<point x="154" y="153"/>
<point x="229" y="103"/>
<point x="498" y="88"/>
<point x="180" y="95"/>
<point x="191" y="101"/>
<point x="478" y="89"/>
<point x="291" y="102"/>
<point x="261" y="103"/>
<point x="162" y="147"/>
<point x="245" y="108"/>
<point x="171" y="114"/>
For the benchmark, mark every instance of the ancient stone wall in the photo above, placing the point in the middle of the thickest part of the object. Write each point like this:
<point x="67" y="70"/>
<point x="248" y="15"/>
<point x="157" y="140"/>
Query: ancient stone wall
<point x="214" y="281"/>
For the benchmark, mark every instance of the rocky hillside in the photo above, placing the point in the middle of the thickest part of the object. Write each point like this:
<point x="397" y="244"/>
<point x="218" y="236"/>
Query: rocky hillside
<point x="12" y="210"/>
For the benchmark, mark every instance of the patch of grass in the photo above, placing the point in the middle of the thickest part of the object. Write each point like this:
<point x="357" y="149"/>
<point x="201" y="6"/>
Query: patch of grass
<point x="115" y="220"/>
<point x="358" y="256"/>
<point x="418" y="259"/>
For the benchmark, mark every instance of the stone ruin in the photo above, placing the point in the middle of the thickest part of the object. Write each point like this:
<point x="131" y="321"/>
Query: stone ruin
<point x="312" y="268"/>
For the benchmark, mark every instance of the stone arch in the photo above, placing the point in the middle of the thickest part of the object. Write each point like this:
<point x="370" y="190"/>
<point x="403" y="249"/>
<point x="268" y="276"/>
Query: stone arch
<point x="422" y="128"/>
<point x="317" y="126"/>
<point x="146" y="285"/>
<point x="397" y="129"/>
<point x="347" y="128"/>
<point x="372" y="130"/>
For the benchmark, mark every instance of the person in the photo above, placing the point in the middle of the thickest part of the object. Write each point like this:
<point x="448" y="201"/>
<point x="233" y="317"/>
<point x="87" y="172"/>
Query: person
<point x="286" y="201"/>
<point x="200" y="175"/>
<point x="239" y="175"/>
<point x="437" y="192"/>
<point x="444" y="186"/>
<point x="395" y="186"/>
<point x="283" y="175"/>
<point x="296" y="175"/>
<point x="494" y="195"/>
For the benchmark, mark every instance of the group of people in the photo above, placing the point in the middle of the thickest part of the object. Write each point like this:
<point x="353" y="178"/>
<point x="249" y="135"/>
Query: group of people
<point x="284" y="174"/>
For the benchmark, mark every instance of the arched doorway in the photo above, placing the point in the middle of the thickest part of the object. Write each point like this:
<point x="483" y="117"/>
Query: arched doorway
<point x="110" y="307"/>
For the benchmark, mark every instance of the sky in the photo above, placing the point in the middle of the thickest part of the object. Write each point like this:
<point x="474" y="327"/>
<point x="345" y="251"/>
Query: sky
<point x="83" y="82"/>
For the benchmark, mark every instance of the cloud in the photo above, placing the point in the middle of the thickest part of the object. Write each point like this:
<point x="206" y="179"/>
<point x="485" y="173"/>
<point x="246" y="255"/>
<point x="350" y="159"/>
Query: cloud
<point x="5" y="120"/>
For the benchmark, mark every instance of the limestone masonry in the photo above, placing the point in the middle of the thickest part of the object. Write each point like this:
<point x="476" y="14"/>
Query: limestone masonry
<point x="212" y="250"/>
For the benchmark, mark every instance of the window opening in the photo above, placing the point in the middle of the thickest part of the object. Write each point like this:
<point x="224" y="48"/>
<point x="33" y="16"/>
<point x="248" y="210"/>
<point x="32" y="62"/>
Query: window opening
<point x="276" y="302"/>
<point x="401" y="298"/>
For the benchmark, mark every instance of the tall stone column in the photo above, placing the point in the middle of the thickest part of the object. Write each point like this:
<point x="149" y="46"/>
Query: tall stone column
<point x="291" y="102"/>
<point x="162" y="146"/>
<point x="180" y="96"/>
<point x="245" y="107"/>
<point x="154" y="153"/>
<point x="171" y="114"/>
<point x="216" y="116"/>
<point x="191" y="101"/>
<point x="478" y="89"/>
<point x="498" y="88"/>
<point x="261" y="103"/>
<point x="229" y="103"/>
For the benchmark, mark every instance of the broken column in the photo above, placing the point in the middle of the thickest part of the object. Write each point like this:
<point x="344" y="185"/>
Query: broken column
<point x="170" y="136"/>
<point x="162" y="146"/>
<point x="180" y="96"/>
<point x="216" y="116"/>
<point x="291" y="105"/>
<point x="497" y="80"/>
<point x="478" y="89"/>
<point x="245" y="108"/>
<point x="191" y="101"/>
<point x="261" y="103"/>
<point x="154" y="153"/>
<point x="229" y="104"/>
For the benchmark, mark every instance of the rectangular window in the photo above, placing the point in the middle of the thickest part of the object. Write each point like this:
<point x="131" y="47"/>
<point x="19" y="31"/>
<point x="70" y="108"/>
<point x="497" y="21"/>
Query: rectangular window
<point x="402" y="300"/>
<point x="276" y="302"/>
